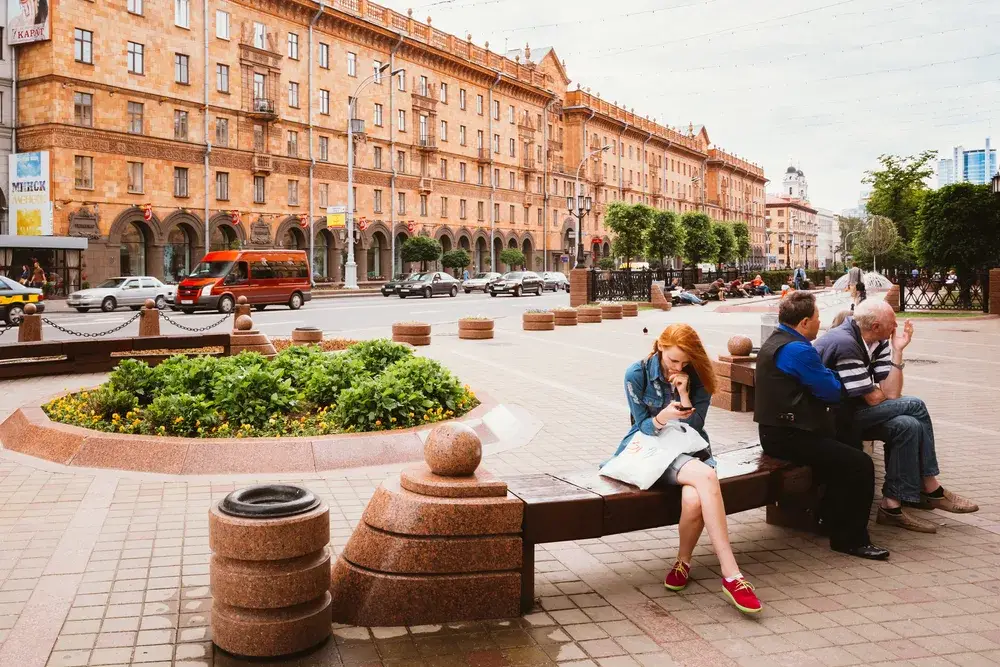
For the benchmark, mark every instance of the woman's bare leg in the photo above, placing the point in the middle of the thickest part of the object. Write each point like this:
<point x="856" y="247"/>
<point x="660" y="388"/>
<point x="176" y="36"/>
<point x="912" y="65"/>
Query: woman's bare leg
<point x="702" y="477"/>
<point x="691" y="523"/>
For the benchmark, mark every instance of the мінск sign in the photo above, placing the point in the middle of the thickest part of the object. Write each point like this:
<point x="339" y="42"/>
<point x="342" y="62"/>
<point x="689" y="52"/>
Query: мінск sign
<point x="27" y="21"/>
<point x="30" y="194"/>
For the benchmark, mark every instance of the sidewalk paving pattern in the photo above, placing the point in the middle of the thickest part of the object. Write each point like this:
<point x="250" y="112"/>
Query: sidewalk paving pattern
<point x="107" y="568"/>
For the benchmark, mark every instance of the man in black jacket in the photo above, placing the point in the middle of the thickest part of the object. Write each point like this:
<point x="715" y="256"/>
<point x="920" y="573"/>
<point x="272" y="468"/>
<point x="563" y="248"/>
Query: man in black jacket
<point x="794" y="393"/>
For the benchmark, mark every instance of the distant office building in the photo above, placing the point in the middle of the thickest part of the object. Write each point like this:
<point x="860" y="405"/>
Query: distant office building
<point x="968" y="166"/>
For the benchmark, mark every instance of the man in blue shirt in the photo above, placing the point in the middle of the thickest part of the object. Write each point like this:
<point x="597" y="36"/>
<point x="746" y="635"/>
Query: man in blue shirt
<point x="794" y="396"/>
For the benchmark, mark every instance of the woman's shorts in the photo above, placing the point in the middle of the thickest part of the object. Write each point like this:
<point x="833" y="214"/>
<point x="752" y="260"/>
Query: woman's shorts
<point x="670" y="474"/>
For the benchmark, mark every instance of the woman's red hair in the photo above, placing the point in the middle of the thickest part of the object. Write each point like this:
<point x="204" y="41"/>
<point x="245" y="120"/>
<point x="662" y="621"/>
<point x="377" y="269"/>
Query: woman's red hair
<point x="687" y="339"/>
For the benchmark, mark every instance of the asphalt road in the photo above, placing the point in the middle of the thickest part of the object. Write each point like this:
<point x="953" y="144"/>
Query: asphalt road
<point x="365" y="317"/>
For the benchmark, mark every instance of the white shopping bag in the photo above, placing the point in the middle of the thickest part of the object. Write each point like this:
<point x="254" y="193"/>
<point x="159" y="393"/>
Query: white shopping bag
<point x="646" y="457"/>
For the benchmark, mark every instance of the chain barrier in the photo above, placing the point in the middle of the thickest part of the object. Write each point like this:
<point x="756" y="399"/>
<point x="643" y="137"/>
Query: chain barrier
<point x="98" y="334"/>
<point x="194" y="329"/>
<point x="4" y="328"/>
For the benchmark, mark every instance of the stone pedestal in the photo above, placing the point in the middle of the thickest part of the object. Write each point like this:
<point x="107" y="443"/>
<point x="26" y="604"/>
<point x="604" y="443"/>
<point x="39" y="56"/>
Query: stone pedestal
<point x="565" y="317"/>
<point x="270" y="579"/>
<point x="149" y="320"/>
<point x="735" y="383"/>
<point x="307" y="336"/>
<point x="242" y="308"/>
<point x="994" y="291"/>
<point x="579" y="287"/>
<point x="611" y="311"/>
<point x="414" y="333"/>
<point x="658" y="299"/>
<point x="589" y="315"/>
<point x="439" y="543"/>
<point x="30" y="330"/>
<point x="630" y="309"/>
<point x="475" y="329"/>
<point x="538" y="321"/>
<point x="892" y="298"/>
<point x="247" y="339"/>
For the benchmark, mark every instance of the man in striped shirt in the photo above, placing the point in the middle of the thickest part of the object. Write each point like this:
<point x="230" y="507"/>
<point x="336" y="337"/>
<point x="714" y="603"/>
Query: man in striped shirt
<point x="866" y="353"/>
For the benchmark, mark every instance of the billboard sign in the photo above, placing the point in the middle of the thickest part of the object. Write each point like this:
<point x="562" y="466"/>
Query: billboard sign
<point x="336" y="216"/>
<point x="30" y="194"/>
<point x="28" y="21"/>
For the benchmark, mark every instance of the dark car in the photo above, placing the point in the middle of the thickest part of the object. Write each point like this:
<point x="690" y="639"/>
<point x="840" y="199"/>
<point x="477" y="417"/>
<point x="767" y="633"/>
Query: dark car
<point x="14" y="297"/>
<point x="392" y="287"/>
<point x="518" y="283"/>
<point x="428" y="285"/>
<point x="555" y="281"/>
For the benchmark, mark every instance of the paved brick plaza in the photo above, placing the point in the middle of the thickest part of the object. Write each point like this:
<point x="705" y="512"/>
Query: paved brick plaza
<point x="112" y="569"/>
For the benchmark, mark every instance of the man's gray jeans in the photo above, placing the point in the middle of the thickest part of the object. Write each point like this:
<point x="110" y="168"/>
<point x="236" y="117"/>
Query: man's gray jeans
<point x="904" y="425"/>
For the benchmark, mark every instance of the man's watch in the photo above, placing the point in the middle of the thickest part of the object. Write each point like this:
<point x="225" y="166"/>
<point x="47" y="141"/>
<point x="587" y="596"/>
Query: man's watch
<point x="895" y="365"/>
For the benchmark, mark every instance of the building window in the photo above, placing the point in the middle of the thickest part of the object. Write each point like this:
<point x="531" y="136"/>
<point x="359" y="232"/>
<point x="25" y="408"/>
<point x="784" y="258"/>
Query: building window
<point x="324" y="195"/>
<point x="293" y="193"/>
<point x="461" y="171"/>
<point x="180" y="182"/>
<point x="222" y="132"/>
<point x="83" y="109"/>
<point x="293" y="94"/>
<point x="444" y="130"/>
<point x="444" y="207"/>
<point x="401" y="162"/>
<point x="496" y="143"/>
<point x="510" y="114"/>
<point x="135" y="7"/>
<point x="259" y="35"/>
<point x="222" y="78"/>
<point x="293" y="143"/>
<point x="496" y="109"/>
<point x="135" y="58"/>
<point x="181" y="69"/>
<point x="293" y="46"/>
<point x="378" y="115"/>
<point x="222" y="185"/>
<point x="377" y="198"/>
<point x="510" y="181"/>
<point x="443" y="93"/>
<point x="221" y="24"/>
<point x="83" y="168"/>
<point x="259" y="190"/>
<point x="479" y="104"/>
<point x="496" y="213"/>
<point x="324" y="149"/>
<point x="377" y="72"/>
<point x="401" y="196"/>
<point x="352" y="64"/>
<point x="512" y="148"/>
<point x="479" y="139"/>
<point x="324" y="102"/>
<point x="461" y="135"/>
<point x="512" y="212"/>
<point x="539" y="217"/>
<point x="135" y="117"/>
<point x="324" y="55"/>
<point x="444" y="168"/>
<point x="480" y="173"/>
<point x="423" y="206"/>
<point x="181" y="125"/>
<point x="401" y="82"/>
<point x="461" y="99"/>
<point x="461" y="209"/>
<point x="83" y="46"/>
<point x="480" y="211"/>
<point x="182" y="13"/>
<point x="401" y="123"/>
<point x="377" y="158"/>
<point x="135" y="177"/>
<point x="422" y="88"/>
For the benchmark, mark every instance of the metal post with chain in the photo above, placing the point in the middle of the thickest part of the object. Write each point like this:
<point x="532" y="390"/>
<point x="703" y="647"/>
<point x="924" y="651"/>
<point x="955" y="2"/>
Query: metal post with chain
<point x="83" y="334"/>
<point x="194" y="329"/>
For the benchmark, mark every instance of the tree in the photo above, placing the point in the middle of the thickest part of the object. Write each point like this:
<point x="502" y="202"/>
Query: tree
<point x="850" y="228"/>
<point x="877" y="239"/>
<point x="743" y="248"/>
<point x="606" y="263"/>
<point x="957" y="228"/>
<point x="421" y="249"/>
<point x="455" y="259"/>
<point x="700" y="244"/>
<point x="898" y="187"/>
<point x="726" y="241"/>
<point x="664" y="237"/>
<point x="512" y="257"/>
<point x="628" y="222"/>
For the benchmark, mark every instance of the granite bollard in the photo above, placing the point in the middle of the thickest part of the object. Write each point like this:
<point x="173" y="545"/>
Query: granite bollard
<point x="30" y="330"/>
<point x="149" y="320"/>
<point x="247" y="339"/>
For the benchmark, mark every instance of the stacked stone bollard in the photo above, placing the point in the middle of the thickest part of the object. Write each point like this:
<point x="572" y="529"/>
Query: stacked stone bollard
<point x="630" y="309"/>
<point x="565" y="317"/>
<point x="475" y="328"/>
<point x="30" y="330"/>
<point x="149" y="320"/>
<point x="611" y="311"/>
<point x="247" y="339"/>
<point x="538" y="321"/>
<point x="242" y="308"/>
<point x="307" y="336"/>
<point x="735" y="375"/>
<point x="413" y="333"/>
<point x="658" y="299"/>
<point x="270" y="571"/>
<point x="892" y="297"/>
<point x="589" y="315"/>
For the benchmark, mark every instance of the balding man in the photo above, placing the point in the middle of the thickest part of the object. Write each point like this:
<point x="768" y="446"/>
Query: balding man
<point x="866" y="353"/>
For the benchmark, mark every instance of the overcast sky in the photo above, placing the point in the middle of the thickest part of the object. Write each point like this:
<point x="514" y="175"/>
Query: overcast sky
<point x="831" y="84"/>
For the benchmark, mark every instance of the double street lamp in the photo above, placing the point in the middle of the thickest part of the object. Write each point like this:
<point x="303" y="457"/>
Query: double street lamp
<point x="356" y="126"/>
<point x="579" y="206"/>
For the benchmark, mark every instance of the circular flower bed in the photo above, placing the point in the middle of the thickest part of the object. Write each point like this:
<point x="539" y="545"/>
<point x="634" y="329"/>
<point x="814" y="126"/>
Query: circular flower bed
<point x="375" y="385"/>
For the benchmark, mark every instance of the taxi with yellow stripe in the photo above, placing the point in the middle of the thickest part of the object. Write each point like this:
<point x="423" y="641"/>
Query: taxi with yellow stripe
<point x="14" y="297"/>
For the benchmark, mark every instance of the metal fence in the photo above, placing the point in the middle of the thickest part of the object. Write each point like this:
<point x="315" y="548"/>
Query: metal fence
<point x="930" y="290"/>
<point x="621" y="285"/>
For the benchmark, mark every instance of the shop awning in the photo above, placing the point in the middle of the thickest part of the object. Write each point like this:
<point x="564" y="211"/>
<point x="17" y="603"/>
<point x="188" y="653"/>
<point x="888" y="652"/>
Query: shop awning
<point x="43" y="242"/>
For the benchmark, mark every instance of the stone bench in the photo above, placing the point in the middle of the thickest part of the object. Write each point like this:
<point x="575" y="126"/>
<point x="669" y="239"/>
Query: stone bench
<point x="585" y="505"/>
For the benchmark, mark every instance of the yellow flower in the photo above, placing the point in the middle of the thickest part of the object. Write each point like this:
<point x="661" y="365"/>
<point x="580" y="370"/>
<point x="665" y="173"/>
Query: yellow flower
<point x="378" y="422"/>
<point x="411" y="414"/>
<point x="392" y="419"/>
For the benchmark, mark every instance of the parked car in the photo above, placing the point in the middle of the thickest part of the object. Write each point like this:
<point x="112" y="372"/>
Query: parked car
<point x="555" y="281"/>
<point x="518" y="283"/>
<point x="392" y="287"/>
<point x="131" y="291"/>
<point x="14" y="297"/>
<point x="428" y="285"/>
<point x="481" y="281"/>
<point x="264" y="277"/>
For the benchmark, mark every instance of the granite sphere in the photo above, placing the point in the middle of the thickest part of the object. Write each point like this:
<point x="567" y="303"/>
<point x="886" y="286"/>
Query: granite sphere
<point x="740" y="346"/>
<point x="453" y="450"/>
<point x="244" y="323"/>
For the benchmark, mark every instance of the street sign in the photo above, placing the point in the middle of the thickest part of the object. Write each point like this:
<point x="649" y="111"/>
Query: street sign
<point x="564" y="259"/>
<point x="336" y="216"/>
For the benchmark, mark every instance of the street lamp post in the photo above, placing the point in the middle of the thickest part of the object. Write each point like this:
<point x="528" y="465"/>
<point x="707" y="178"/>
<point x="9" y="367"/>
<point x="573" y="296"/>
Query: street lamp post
<point x="579" y="206"/>
<point x="767" y="249"/>
<point x="356" y="126"/>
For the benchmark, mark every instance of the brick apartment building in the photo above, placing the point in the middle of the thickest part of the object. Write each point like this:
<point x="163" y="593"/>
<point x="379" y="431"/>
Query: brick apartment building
<point x="170" y="132"/>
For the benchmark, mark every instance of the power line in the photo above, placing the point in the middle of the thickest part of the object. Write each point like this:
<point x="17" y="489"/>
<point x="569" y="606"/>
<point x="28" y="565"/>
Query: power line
<point x="605" y="19"/>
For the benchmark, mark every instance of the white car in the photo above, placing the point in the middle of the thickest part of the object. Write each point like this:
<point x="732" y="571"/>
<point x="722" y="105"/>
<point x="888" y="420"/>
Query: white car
<point x="481" y="281"/>
<point x="131" y="291"/>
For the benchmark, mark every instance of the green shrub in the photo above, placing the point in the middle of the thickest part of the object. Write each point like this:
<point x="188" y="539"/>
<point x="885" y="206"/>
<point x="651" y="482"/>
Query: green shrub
<point x="134" y="377"/>
<point x="439" y="387"/>
<point x="251" y="395"/>
<point x="186" y="375"/>
<point x="384" y="402"/>
<point x="298" y="362"/>
<point x="331" y="376"/>
<point x="377" y="355"/>
<point x="106" y="401"/>
<point x="181" y="414"/>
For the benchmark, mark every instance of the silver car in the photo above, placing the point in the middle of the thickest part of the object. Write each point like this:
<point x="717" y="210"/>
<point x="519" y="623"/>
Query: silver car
<point x="131" y="291"/>
<point x="481" y="281"/>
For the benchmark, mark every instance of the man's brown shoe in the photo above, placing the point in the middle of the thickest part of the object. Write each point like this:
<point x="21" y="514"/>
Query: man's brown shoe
<point x="904" y="520"/>
<point x="950" y="502"/>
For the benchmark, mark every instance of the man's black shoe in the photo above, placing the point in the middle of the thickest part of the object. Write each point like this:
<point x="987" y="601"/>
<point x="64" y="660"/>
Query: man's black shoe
<point x="869" y="551"/>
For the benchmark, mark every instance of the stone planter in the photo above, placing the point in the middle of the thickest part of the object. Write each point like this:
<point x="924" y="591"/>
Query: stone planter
<point x="414" y="333"/>
<point x="475" y="329"/>
<point x="591" y="315"/>
<point x="630" y="309"/>
<point x="611" y="311"/>
<point x="306" y="336"/>
<point x="565" y="318"/>
<point x="270" y="571"/>
<point x="538" y="321"/>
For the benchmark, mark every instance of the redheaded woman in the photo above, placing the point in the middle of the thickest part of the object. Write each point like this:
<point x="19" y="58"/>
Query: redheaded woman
<point x="675" y="382"/>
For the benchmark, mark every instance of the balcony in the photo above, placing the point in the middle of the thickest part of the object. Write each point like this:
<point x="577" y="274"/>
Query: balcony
<point x="426" y="185"/>
<point x="555" y="145"/>
<point x="263" y="108"/>
<point x="262" y="163"/>
<point x="483" y="155"/>
<point x="528" y="163"/>
<point x="427" y="142"/>
<point x="422" y="101"/>
<point x="599" y="178"/>
<point x="657" y="189"/>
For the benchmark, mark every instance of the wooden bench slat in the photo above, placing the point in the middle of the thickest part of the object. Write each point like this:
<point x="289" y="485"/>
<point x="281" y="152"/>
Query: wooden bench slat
<point x="556" y="510"/>
<point x="32" y="350"/>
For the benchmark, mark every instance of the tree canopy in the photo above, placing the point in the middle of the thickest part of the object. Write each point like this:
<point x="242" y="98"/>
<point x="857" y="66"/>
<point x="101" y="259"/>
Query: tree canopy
<point x="606" y="263"/>
<point x="628" y="223"/>
<point x="725" y="240"/>
<point x="957" y="228"/>
<point x="898" y="187"/>
<point x="455" y="259"/>
<point x="421" y="249"/>
<point x="741" y="231"/>
<point x="664" y="237"/>
<point x="512" y="257"/>
<point x="700" y="244"/>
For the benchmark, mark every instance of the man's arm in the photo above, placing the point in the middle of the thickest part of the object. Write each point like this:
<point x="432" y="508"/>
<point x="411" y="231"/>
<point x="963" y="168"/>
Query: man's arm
<point x="889" y="358"/>
<point x="802" y="361"/>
